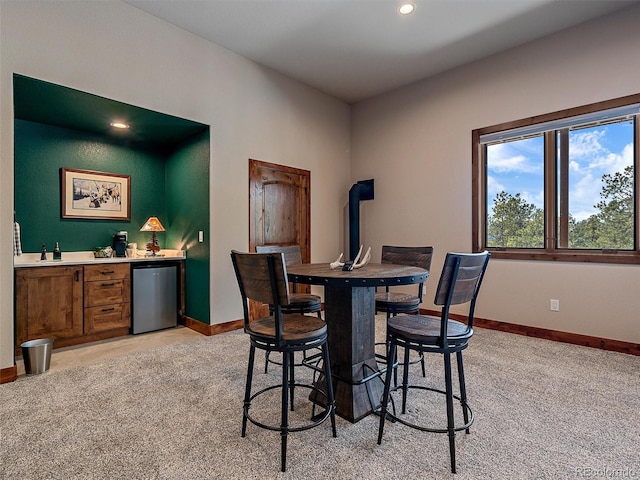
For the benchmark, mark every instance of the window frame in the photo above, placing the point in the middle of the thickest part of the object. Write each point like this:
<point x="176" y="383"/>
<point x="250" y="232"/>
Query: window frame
<point x="549" y="252"/>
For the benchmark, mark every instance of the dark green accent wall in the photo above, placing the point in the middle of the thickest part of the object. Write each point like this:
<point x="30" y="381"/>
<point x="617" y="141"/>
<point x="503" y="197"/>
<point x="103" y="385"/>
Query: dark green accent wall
<point x="187" y="180"/>
<point x="170" y="183"/>
<point x="40" y="151"/>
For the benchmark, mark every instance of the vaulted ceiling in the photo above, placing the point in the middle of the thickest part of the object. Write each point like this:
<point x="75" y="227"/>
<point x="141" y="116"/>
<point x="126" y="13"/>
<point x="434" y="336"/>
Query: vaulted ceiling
<point x="355" y="49"/>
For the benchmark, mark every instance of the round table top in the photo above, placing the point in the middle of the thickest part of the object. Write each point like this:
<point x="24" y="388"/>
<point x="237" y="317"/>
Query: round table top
<point x="371" y="275"/>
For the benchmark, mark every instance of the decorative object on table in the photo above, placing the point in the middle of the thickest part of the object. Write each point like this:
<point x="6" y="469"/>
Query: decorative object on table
<point x="94" y="195"/>
<point x="354" y="264"/>
<point x="17" y="243"/>
<point x="153" y="225"/>
<point x="57" y="253"/>
<point x="43" y="252"/>
<point x="103" y="252"/>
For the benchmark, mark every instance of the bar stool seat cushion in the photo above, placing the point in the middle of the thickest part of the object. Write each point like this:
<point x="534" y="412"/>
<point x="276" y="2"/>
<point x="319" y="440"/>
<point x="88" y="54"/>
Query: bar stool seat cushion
<point x="426" y="329"/>
<point x="397" y="301"/>
<point x="296" y="328"/>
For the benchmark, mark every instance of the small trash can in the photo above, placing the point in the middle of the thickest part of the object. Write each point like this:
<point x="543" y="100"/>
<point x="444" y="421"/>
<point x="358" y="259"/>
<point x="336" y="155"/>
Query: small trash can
<point x="37" y="355"/>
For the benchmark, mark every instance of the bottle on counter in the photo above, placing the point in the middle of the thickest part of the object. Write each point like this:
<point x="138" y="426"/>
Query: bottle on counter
<point x="43" y="252"/>
<point x="57" y="254"/>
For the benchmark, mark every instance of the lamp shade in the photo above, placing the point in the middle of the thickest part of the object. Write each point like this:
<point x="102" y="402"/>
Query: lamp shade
<point x="152" y="225"/>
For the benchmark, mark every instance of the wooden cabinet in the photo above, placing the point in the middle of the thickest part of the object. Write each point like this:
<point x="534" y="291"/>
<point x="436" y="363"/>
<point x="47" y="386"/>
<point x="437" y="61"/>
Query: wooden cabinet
<point x="107" y="297"/>
<point x="75" y="304"/>
<point x="72" y="304"/>
<point x="49" y="303"/>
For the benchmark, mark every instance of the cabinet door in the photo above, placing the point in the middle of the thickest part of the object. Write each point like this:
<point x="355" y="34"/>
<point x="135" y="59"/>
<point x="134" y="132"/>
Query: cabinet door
<point x="48" y="302"/>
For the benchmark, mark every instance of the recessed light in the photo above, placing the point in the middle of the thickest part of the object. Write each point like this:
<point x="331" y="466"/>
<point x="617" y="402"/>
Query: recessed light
<point x="406" y="8"/>
<point x="119" y="125"/>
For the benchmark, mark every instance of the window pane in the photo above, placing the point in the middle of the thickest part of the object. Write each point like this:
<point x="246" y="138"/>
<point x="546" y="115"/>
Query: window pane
<point x="601" y="187"/>
<point x="515" y="193"/>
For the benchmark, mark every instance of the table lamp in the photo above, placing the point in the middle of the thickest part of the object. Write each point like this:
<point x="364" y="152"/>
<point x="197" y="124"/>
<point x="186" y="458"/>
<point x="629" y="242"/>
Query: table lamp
<point x="153" y="225"/>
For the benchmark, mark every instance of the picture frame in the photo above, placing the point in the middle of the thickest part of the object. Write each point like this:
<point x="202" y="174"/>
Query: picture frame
<point x="87" y="194"/>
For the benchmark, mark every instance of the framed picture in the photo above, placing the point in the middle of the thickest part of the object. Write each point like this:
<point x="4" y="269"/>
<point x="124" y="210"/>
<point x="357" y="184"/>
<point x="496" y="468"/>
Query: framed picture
<point x="94" y="195"/>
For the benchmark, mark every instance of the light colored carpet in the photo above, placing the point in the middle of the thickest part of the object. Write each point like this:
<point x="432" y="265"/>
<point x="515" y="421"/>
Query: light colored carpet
<point x="543" y="410"/>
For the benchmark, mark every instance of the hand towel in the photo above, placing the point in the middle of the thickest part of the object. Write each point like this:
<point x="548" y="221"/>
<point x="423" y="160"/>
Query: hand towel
<point x="17" y="244"/>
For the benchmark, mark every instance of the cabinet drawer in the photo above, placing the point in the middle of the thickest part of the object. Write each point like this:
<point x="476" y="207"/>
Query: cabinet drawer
<point x="109" y="271"/>
<point x="107" y="317"/>
<point x="106" y="292"/>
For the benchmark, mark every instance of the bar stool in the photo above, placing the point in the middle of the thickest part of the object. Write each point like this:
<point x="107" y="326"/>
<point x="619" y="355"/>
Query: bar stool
<point x="301" y="303"/>
<point x="394" y="302"/>
<point x="262" y="277"/>
<point x="459" y="284"/>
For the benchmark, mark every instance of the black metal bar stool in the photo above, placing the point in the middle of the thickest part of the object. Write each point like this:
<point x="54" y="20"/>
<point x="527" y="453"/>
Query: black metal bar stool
<point x="459" y="284"/>
<point x="262" y="277"/>
<point x="394" y="302"/>
<point x="299" y="302"/>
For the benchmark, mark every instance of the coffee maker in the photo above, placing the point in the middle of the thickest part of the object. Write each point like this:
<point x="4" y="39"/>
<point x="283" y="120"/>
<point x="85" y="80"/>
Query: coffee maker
<point x="120" y="244"/>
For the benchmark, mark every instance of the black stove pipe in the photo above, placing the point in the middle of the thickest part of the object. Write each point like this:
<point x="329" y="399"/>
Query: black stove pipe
<point x="363" y="190"/>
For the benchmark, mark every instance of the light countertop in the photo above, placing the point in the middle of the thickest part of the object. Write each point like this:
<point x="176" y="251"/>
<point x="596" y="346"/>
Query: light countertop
<point x="77" y="258"/>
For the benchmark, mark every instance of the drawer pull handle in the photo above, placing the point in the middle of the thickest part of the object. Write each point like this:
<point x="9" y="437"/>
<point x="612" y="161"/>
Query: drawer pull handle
<point x="108" y="309"/>
<point x="108" y="284"/>
<point x="108" y="272"/>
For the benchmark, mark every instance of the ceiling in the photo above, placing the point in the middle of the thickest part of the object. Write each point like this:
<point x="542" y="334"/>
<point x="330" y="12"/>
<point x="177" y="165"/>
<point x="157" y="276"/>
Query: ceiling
<point x="356" y="49"/>
<point x="43" y="102"/>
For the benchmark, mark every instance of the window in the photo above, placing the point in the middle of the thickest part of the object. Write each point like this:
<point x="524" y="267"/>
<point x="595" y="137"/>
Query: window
<point x="561" y="186"/>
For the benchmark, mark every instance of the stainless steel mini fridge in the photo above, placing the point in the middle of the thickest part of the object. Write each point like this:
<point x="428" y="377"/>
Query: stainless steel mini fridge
<point x="154" y="296"/>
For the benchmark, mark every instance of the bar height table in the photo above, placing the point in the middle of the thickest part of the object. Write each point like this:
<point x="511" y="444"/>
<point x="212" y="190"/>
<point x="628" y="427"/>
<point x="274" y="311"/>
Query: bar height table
<point x="350" y="311"/>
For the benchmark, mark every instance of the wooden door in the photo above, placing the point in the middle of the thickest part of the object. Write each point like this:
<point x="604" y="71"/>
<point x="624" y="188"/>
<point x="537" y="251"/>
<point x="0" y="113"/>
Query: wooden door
<point x="279" y="207"/>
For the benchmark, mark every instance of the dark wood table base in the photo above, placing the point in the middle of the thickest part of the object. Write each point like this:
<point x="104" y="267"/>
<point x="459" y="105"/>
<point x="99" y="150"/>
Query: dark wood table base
<point x="350" y="314"/>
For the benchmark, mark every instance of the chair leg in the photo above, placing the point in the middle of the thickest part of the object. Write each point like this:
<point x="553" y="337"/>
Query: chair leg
<point x="284" y="419"/>
<point x="331" y="401"/>
<point x="450" y="420"/>
<point x="395" y="370"/>
<point x="292" y="377"/>
<point x="463" y="389"/>
<point x="266" y="361"/>
<point x="247" y="391"/>
<point x="387" y="387"/>
<point x="405" y="379"/>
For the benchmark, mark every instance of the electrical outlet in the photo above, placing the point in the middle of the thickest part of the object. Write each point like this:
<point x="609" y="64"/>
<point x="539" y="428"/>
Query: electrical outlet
<point x="554" y="305"/>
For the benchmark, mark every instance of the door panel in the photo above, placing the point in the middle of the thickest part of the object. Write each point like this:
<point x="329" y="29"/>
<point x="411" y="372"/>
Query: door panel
<point x="279" y="208"/>
<point x="282" y="215"/>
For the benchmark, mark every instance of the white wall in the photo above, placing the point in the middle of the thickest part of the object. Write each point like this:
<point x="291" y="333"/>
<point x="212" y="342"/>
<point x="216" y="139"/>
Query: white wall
<point x="111" y="49"/>
<point x="416" y="143"/>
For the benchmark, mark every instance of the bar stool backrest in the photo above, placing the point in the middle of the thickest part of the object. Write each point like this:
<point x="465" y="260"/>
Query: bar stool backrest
<point x="410" y="256"/>
<point x="262" y="277"/>
<point x="460" y="280"/>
